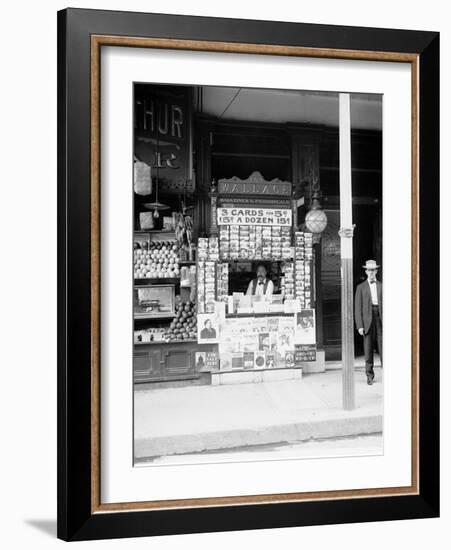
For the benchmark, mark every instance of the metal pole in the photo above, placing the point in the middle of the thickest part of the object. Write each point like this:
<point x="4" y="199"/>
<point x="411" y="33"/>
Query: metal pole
<point x="347" y="313"/>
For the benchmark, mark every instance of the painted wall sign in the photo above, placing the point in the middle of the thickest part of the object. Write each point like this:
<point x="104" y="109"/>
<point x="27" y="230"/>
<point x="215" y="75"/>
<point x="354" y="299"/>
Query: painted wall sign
<point x="254" y="216"/>
<point x="255" y="184"/>
<point x="162" y="118"/>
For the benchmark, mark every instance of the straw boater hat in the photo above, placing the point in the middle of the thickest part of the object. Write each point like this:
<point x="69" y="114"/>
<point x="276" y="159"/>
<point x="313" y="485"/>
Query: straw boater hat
<point x="370" y="264"/>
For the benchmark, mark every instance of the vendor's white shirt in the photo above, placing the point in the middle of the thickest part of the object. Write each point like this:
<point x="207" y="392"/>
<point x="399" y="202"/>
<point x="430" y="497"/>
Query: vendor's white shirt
<point x="373" y="289"/>
<point x="259" y="289"/>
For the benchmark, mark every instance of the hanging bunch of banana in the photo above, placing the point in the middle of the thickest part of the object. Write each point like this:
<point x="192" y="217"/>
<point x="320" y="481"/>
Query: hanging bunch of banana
<point x="184" y="227"/>
<point x="188" y="229"/>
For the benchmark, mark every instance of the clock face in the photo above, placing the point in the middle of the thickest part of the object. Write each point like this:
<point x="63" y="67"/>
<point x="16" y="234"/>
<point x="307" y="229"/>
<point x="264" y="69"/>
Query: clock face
<point x="260" y="361"/>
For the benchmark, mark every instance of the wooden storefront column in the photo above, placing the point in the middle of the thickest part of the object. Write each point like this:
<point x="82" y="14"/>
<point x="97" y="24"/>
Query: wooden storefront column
<point x="347" y="301"/>
<point x="202" y="140"/>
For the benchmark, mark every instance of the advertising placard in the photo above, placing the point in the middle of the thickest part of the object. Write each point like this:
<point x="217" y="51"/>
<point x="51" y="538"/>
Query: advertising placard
<point x="254" y="216"/>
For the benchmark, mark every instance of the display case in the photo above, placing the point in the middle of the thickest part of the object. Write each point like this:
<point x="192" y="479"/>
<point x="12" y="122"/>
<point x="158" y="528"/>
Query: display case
<point x="153" y="301"/>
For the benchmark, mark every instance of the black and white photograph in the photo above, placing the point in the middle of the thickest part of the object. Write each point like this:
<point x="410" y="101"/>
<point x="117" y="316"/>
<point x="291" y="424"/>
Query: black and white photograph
<point x="305" y="327"/>
<point x="258" y="268"/>
<point x="207" y="329"/>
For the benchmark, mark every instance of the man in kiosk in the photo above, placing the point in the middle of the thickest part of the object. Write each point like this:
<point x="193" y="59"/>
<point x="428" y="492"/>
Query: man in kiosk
<point x="261" y="285"/>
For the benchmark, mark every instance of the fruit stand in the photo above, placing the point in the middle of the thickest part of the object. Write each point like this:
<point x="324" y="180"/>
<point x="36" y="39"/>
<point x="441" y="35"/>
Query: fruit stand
<point x="165" y="339"/>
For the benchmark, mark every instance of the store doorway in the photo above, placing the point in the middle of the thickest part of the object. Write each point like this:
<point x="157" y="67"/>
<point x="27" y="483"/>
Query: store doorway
<point x="366" y="245"/>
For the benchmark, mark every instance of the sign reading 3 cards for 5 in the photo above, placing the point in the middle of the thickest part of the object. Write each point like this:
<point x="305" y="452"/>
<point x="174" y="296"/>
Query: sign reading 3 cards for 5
<point x="254" y="216"/>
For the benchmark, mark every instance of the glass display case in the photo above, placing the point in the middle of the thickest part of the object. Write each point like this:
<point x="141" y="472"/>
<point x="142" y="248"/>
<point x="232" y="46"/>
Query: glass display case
<point x="153" y="301"/>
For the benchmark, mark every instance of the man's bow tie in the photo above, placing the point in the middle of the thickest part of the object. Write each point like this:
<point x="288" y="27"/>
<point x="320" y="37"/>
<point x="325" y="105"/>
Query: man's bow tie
<point x="260" y="283"/>
<point x="372" y="282"/>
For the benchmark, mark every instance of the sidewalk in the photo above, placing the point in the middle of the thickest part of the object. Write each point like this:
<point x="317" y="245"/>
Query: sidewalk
<point x="206" y="418"/>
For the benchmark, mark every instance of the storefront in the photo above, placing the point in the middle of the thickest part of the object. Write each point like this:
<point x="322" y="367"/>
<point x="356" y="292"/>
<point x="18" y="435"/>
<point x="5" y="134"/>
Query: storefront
<point x="216" y="201"/>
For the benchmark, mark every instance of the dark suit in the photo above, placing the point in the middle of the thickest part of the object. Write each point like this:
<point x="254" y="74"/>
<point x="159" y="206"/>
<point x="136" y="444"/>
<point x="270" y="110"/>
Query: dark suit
<point x="369" y="318"/>
<point x="208" y="333"/>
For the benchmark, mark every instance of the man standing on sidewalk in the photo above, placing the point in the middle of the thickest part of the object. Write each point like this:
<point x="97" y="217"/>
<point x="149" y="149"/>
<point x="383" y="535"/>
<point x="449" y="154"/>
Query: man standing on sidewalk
<point x="368" y="316"/>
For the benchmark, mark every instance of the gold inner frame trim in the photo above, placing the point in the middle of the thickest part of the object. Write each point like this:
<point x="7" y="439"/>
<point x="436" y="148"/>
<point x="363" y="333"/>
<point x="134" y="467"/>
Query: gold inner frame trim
<point x="97" y="41"/>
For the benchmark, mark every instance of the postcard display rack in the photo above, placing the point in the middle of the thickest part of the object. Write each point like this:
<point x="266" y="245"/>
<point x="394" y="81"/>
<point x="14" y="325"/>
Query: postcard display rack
<point x="258" y="335"/>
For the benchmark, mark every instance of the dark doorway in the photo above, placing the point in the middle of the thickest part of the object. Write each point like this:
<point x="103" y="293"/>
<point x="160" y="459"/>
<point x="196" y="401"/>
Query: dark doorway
<point x="366" y="245"/>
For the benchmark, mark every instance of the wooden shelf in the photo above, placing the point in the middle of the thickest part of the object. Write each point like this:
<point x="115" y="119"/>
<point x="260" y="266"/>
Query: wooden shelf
<point x="191" y="341"/>
<point x="241" y="260"/>
<point x="159" y="280"/>
<point x="147" y="317"/>
<point x="163" y="343"/>
<point x="263" y="314"/>
<point x="155" y="231"/>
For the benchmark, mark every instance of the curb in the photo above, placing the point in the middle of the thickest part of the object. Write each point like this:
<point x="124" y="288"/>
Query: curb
<point x="294" y="432"/>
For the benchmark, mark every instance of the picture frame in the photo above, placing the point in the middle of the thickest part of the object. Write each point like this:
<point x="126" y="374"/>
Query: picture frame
<point x="81" y="36"/>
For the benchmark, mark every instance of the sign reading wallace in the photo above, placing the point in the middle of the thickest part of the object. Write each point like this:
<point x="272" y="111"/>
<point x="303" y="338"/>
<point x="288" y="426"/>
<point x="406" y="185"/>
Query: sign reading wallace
<point x="254" y="216"/>
<point x="162" y="118"/>
<point x="255" y="184"/>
